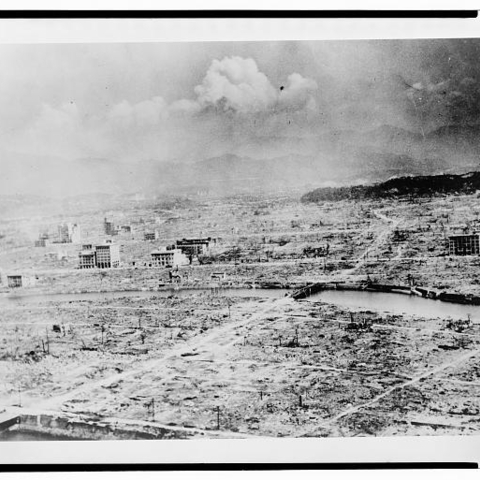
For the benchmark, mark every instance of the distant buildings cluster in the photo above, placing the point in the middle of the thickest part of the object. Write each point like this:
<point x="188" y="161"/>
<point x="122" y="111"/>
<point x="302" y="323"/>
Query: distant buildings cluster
<point x="181" y="253"/>
<point x="66" y="233"/>
<point x="107" y="254"/>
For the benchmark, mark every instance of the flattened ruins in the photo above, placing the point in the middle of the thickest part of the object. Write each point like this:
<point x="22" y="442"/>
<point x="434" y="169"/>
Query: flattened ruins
<point x="260" y="332"/>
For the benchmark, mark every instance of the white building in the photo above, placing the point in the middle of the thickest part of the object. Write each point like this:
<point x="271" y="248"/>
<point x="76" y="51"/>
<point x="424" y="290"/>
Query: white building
<point x="168" y="258"/>
<point x="107" y="255"/>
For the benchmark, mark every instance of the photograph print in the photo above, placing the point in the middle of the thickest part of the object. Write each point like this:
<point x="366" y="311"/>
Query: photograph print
<point x="240" y="240"/>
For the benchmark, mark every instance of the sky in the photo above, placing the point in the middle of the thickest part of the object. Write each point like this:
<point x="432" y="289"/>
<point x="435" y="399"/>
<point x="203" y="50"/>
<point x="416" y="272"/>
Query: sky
<point x="179" y="101"/>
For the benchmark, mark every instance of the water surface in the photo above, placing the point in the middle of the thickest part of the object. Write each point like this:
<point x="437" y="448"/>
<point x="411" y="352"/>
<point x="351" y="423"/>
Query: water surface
<point x="398" y="304"/>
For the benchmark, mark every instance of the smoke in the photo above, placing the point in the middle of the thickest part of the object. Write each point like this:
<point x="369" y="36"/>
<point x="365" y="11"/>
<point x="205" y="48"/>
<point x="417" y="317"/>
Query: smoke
<point x="226" y="95"/>
<point x="141" y="115"/>
<point x="150" y="128"/>
<point x="236" y="84"/>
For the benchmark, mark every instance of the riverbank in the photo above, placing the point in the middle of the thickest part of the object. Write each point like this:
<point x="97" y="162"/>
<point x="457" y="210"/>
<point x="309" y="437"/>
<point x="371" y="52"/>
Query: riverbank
<point x="233" y="366"/>
<point x="428" y="293"/>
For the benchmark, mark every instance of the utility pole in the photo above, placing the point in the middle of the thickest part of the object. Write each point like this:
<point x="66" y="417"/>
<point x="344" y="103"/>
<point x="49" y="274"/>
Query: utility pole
<point x="218" y="417"/>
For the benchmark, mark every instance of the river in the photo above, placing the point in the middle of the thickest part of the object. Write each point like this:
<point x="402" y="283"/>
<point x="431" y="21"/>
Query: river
<point x="29" y="299"/>
<point x="398" y="304"/>
<point x="392" y="303"/>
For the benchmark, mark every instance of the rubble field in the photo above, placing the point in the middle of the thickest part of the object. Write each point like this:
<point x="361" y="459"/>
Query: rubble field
<point x="246" y="365"/>
<point x="249" y="366"/>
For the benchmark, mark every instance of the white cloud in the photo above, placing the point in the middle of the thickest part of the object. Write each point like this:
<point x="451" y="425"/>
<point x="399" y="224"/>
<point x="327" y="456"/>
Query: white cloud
<point x="143" y="114"/>
<point x="231" y="85"/>
<point x="297" y="93"/>
<point x="184" y="106"/>
<point x="235" y="83"/>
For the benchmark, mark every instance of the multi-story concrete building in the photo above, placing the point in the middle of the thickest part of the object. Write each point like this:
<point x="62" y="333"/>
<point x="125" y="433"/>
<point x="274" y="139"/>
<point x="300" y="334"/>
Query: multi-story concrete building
<point x="105" y="255"/>
<point x="193" y="246"/>
<point x="464" y="244"/>
<point x="87" y="258"/>
<point x="168" y="258"/>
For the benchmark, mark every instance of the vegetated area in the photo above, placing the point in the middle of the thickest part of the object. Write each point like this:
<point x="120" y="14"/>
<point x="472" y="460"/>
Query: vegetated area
<point x="416" y="186"/>
<point x="213" y="356"/>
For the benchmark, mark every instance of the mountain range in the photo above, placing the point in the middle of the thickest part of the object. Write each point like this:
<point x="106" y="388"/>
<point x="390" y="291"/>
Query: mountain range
<point x="337" y="157"/>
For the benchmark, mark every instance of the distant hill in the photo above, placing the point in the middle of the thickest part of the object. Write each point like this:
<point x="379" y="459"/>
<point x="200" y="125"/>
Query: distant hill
<point x="419" y="186"/>
<point x="263" y="163"/>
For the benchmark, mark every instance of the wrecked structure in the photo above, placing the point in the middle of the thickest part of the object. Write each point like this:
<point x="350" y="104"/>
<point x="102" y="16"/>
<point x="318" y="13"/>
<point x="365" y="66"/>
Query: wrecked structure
<point x="168" y="258"/>
<point x="105" y="255"/>
<point x="109" y="227"/>
<point x="69" y="233"/>
<point x="43" y="240"/>
<point x="14" y="281"/>
<point x="18" y="280"/>
<point x="464" y="244"/>
<point x="194" y="246"/>
<point x="150" y="236"/>
<point x="315" y="252"/>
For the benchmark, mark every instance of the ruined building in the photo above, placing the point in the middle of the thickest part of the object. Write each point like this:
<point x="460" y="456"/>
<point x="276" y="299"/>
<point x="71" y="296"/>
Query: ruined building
<point x="87" y="257"/>
<point x="464" y="244"/>
<point x="43" y="240"/>
<point x="150" y="236"/>
<point x="16" y="281"/>
<point x="105" y="255"/>
<point x="193" y="246"/>
<point x="109" y="227"/>
<point x="69" y="233"/>
<point x="168" y="258"/>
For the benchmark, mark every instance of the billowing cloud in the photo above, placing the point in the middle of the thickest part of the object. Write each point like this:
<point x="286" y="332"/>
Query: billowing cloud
<point x="234" y="94"/>
<point x="297" y="92"/>
<point x="236" y="84"/>
<point x="184" y="106"/>
<point x="143" y="114"/>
